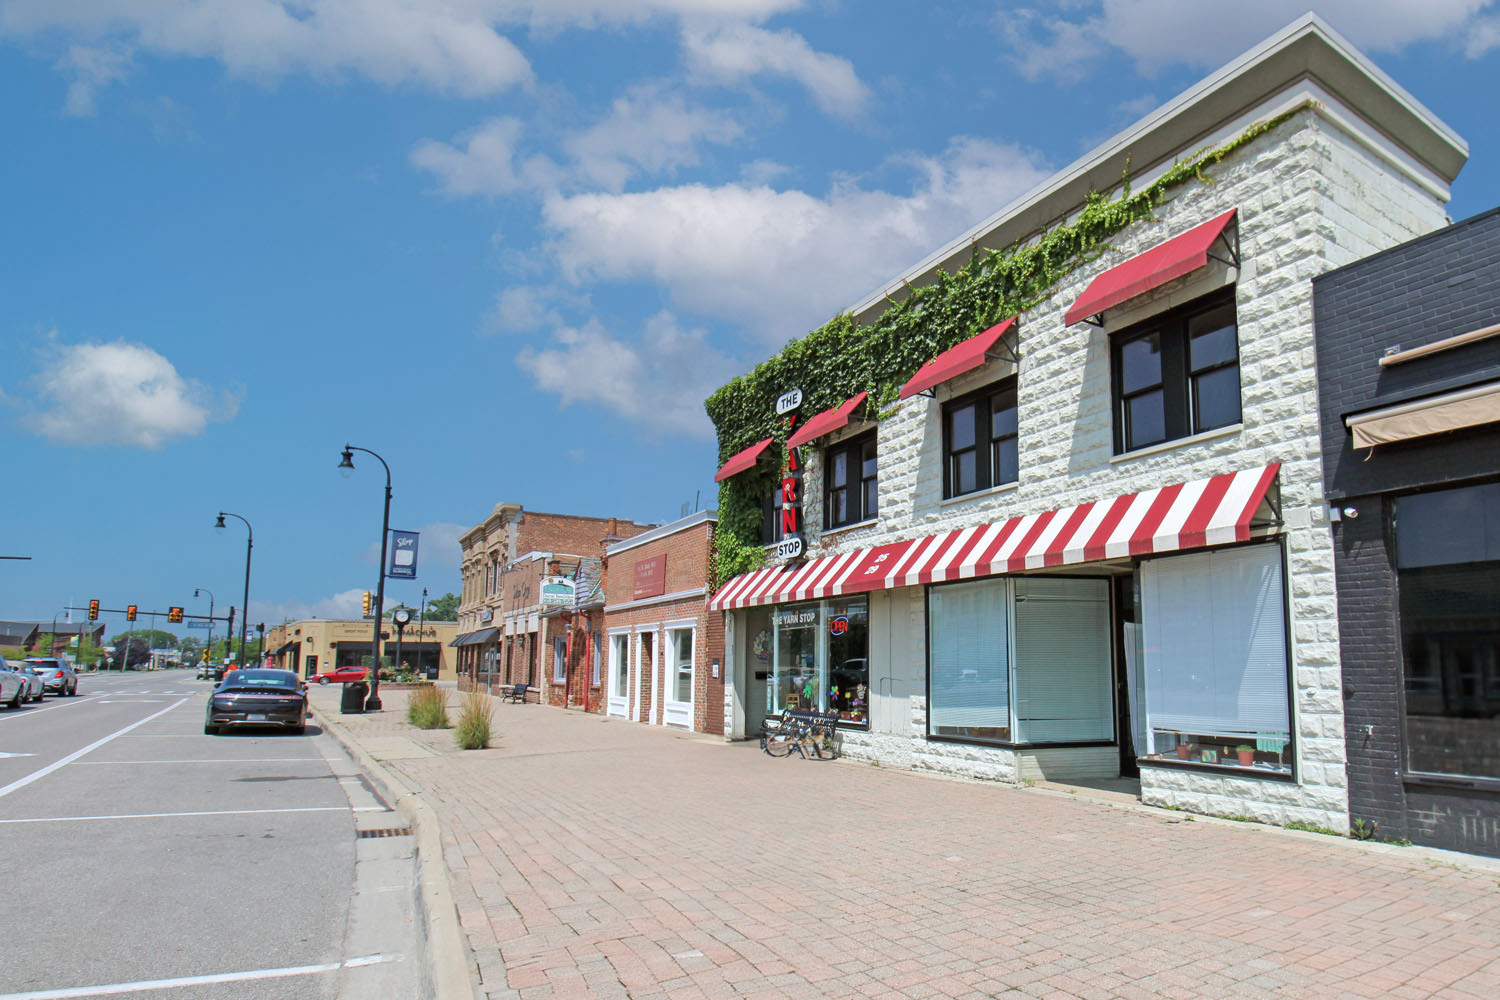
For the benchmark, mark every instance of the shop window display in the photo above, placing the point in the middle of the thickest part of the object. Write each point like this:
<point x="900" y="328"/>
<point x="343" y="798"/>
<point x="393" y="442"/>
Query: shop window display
<point x="820" y="659"/>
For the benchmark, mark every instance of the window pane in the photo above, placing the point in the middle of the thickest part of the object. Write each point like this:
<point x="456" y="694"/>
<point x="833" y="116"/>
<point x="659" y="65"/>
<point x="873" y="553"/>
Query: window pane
<point x="1140" y="363"/>
<point x="1450" y="646"/>
<point x="969" y="662"/>
<point x="1064" y="669"/>
<point x="1145" y="420"/>
<point x="838" y="506"/>
<point x="1212" y="339"/>
<point x="871" y="498"/>
<point x="965" y="472"/>
<point x="838" y="467"/>
<point x="1003" y="461"/>
<point x="961" y="428"/>
<point x="1002" y="414"/>
<point x="682" y="650"/>
<point x="848" y="638"/>
<point x="867" y="460"/>
<point x="1216" y="398"/>
<point x="1448" y="526"/>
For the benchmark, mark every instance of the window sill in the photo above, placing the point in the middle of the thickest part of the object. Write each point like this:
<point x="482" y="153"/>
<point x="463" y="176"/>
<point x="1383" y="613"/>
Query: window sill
<point x="1155" y="449"/>
<point x="841" y="529"/>
<point x="979" y="494"/>
<point x="1450" y="782"/>
<point x="1221" y="770"/>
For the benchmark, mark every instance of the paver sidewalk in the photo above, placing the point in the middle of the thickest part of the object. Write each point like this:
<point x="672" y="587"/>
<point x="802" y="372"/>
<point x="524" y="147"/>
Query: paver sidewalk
<point x="601" y="858"/>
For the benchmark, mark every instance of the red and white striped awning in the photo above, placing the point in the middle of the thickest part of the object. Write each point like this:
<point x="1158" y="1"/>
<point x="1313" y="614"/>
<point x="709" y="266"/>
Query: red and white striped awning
<point x="1212" y="511"/>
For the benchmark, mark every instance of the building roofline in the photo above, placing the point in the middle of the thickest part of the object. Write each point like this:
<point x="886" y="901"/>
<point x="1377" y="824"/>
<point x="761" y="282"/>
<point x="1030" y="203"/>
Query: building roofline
<point x="710" y="516"/>
<point x="1447" y="232"/>
<point x="1306" y="48"/>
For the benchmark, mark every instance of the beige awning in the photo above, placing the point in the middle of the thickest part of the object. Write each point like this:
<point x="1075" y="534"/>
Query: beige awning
<point x="1451" y="412"/>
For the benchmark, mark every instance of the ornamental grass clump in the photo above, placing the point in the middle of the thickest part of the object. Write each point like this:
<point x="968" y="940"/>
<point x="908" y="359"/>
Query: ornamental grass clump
<point x="473" y="728"/>
<point x="428" y="709"/>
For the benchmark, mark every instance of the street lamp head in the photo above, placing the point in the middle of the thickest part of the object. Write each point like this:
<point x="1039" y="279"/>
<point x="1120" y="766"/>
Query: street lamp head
<point x="220" y="522"/>
<point x="346" y="464"/>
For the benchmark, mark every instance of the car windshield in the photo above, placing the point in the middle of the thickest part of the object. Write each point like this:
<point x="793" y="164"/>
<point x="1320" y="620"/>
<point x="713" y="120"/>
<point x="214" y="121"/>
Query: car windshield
<point x="262" y="678"/>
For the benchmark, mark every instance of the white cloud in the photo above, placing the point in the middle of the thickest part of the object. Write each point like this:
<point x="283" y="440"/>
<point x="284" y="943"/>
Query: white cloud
<point x="520" y="308"/>
<point x="658" y="383"/>
<point x="733" y="53"/>
<point x="120" y="394"/>
<point x="91" y="69"/>
<point x="780" y="262"/>
<point x="1156" y="33"/>
<point x="646" y="131"/>
<point x="484" y="161"/>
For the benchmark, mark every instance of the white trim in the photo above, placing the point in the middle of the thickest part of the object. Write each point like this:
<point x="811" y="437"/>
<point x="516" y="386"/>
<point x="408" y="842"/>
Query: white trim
<point x="976" y="494"/>
<point x="676" y="713"/>
<point x="1156" y="449"/>
<point x="681" y="595"/>
<point x="868" y="522"/>
<point x="666" y="530"/>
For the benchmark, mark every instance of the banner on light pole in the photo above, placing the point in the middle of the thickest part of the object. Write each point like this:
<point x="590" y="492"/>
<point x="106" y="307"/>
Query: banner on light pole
<point x="403" y="555"/>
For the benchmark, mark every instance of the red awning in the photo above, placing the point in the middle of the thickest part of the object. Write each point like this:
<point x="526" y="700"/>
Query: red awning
<point x="741" y="461"/>
<point x="960" y="358"/>
<point x="1178" y="256"/>
<point x="826" y="422"/>
<point x="1212" y="511"/>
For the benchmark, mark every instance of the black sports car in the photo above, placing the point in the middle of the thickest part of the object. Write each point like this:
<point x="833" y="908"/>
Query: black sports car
<point x="257" y="698"/>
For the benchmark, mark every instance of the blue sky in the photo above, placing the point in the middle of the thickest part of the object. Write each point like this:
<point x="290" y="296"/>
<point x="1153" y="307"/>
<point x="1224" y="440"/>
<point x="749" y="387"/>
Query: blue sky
<point x="509" y="246"/>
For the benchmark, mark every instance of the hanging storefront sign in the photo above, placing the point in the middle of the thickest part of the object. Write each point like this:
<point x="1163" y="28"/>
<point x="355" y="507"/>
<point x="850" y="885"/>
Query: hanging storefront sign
<point x="557" y="592"/>
<point x="403" y="555"/>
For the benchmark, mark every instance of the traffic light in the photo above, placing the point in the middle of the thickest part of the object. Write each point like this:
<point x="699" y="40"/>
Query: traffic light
<point x="93" y="611"/>
<point x="367" y="602"/>
<point x="174" y="614"/>
<point x="130" y="612"/>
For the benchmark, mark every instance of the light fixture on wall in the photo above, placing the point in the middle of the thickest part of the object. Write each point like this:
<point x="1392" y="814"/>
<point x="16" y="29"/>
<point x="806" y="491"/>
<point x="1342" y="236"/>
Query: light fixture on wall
<point x="1351" y="512"/>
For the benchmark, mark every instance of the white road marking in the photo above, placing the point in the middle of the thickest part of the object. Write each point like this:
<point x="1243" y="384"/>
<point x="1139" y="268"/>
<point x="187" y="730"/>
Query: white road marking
<point x="130" y="701"/>
<point x="70" y="758"/>
<point x="38" y="711"/>
<point x="199" y="760"/>
<point x="208" y="812"/>
<point x="115" y="989"/>
<point x="4" y="754"/>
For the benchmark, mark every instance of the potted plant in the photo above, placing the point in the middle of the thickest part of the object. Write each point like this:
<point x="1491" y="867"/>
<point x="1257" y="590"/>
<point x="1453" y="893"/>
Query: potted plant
<point x="1246" y="753"/>
<point x="1184" y="750"/>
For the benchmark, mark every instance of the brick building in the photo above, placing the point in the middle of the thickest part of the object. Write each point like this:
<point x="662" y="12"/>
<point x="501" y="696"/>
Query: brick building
<point x="1409" y="377"/>
<point x="664" y="651"/>
<point x="1091" y="540"/>
<point x="504" y="636"/>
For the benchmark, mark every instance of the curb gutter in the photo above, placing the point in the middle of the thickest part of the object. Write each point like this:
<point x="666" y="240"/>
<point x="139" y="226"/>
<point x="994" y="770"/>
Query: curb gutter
<point x="447" y="954"/>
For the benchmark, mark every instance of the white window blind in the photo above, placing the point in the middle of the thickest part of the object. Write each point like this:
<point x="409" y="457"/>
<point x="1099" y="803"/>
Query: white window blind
<point x="970" y="661"/>
<point x="1215" y="629"/>
<point x="1063" y="661"/>
<point x="559" y="660"/>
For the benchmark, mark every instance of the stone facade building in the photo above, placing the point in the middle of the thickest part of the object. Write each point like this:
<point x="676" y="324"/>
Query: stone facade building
<point x="1092" y="541"/>
<point x="1409" y="373"/>
<point x="664" y="651"/>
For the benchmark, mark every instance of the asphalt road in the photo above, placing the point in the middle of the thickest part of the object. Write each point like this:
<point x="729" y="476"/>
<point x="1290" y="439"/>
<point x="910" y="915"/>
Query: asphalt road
<point x="135" y="850"/>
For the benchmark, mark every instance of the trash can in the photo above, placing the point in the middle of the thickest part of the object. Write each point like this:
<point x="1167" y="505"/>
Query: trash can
<point x="355" y="693"/>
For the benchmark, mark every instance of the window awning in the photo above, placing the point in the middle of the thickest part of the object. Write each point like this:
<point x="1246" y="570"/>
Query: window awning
<point x="1201" y="513"/>
<point x="962" y="357"/>
<point x="284" y="647"/>
<point x="1453" y="411"/>
<point x="475" y="638"/>
<point x="1180" y="255"/>
<point x="458" y="640"/>
<point x="742" y="461"/>
<point x="826" y="422"/>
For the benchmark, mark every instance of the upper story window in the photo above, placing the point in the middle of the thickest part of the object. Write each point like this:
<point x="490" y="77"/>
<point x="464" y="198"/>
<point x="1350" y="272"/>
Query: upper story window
<point x="770" y="516"/>
<point x="850" y="487"/>
<point x="979" y="440"/>
<point x="1177" y="374"/>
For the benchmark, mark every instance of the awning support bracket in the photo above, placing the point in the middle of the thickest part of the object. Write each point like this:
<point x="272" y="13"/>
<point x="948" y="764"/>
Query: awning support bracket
<point x="1231" y="249"/>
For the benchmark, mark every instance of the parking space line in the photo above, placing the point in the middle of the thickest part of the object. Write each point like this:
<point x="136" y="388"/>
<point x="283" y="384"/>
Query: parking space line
<point x="207" y="812"/>
<point x="141" y="986"/>
<point x="214" y="760"/>
<point x="70" y="758"/>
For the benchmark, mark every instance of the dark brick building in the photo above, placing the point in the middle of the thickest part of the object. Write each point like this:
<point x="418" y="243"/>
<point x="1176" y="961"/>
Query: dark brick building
<point x="1408" y="351"/>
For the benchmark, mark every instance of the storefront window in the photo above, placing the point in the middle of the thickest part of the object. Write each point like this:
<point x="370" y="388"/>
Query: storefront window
<point x="969" y="638"/>
<point x="681" y="641"/>
<point x="619" y="664"/>
<point x="820" y="658"/>
<point x="1215" y="655"/>
<point x="1448" y="578"/>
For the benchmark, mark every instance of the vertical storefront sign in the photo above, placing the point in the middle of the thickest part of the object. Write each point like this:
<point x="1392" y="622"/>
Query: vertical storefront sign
<point x="403" y="555"/>
<point x="791" y="544"/>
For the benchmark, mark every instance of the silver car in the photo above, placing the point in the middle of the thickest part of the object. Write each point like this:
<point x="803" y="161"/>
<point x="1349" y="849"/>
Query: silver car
<point x="58" y="676"/>
<point x="13" y="687"/>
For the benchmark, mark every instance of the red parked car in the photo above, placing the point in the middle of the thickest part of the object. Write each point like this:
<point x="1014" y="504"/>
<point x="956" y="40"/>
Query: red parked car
<point x="342" y="675"/>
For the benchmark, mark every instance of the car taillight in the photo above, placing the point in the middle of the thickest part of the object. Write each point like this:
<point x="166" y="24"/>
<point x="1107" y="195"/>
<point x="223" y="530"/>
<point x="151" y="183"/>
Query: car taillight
<point x="59" y="673"/>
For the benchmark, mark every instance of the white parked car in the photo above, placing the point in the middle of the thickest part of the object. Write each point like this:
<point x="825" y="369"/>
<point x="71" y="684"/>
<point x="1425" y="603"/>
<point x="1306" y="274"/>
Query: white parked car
<point x="58" y="676"/>
<point x="13" y="687"/>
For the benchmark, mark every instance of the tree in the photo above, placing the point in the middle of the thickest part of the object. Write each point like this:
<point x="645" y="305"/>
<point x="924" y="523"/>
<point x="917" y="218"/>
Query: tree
<point x="442" y="609"/>
<point x="153" y="638"/>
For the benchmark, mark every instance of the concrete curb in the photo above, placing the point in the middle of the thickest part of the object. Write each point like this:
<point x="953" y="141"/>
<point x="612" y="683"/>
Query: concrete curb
<point x="447" y="954"/>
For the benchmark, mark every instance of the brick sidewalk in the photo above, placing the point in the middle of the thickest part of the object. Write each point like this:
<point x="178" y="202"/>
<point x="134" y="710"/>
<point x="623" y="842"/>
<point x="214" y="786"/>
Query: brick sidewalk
<point x="596" y="858"/>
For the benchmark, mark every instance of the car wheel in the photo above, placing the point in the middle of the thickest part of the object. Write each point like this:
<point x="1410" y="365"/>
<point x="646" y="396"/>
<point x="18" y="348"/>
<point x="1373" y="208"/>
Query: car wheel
<point x="73" y="691"/>
<point x="15" y="701"/>
<point x="210" y="730"/>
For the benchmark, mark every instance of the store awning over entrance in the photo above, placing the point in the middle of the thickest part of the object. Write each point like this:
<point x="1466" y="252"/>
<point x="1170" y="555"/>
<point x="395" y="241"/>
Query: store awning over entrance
<point x="826" y="422"/>
<point x="458" y="640"/>
<point x="1204" y="512"/>
<point x="1180" y="255"/>
<point x="742" y="460"/>
<point x="284" y="647"/>
<point x="476" y="638"/>
<point x="1453" y="411"/>
<point x="961" y="357"/>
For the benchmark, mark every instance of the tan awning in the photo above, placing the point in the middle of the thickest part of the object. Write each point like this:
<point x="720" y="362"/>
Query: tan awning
<point x="1451" y="412"/>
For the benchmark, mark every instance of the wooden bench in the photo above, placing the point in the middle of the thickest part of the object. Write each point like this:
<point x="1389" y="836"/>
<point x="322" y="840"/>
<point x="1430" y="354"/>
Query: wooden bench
<point x="514" y="693"/>
<point x="800" y="730"/>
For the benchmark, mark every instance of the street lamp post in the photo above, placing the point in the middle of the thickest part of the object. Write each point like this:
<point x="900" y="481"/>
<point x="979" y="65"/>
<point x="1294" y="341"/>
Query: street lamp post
<point x="244" y="604"/>
<point x="346" y="462"/>
<point x="422" y="630"/>
<point x="209" y="642"/>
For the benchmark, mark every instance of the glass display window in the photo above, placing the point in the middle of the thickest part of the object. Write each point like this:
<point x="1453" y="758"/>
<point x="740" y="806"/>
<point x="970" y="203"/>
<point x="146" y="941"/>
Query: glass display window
<point x="820" y="658"/>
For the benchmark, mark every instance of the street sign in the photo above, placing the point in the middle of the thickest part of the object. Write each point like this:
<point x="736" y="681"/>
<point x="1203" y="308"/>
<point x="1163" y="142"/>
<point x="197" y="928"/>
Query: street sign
<point x="202" y="625"/>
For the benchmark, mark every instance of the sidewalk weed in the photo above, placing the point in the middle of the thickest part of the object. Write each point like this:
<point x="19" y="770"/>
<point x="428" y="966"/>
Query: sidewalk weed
<point x="428" y="709"/>
<point x="474" y="717"/>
